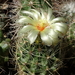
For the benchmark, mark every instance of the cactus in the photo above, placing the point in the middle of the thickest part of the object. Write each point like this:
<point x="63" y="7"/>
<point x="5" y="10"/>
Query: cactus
<point x="37" y="40"/>
<point x="4" y="42"/>
<point x="35" y="59"/>
<point x="67" y="10"/>
<point x="69" y="13"/>
<point x="4" y="48"/>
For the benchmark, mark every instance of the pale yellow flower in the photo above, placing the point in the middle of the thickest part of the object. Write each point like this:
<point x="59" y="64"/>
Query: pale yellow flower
<point x="39" y="23"/>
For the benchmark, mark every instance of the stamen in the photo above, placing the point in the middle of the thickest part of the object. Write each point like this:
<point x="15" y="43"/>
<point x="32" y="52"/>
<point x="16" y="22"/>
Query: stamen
<point x="41" y="28"/>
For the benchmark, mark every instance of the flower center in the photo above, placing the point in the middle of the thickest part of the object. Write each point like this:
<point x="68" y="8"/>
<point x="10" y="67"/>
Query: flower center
<point x="41" y="26"/>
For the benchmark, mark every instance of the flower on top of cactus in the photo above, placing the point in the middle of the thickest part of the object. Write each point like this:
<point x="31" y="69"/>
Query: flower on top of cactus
<point x="46" y="26"/>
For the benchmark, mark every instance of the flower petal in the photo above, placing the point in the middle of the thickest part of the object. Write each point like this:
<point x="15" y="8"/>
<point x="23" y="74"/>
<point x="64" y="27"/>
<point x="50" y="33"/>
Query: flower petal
<point x="42" y="14"/>
<point x="32" y="14"/>
<point x="59" y="19"/>
<point x="51" y="32"/>
<point x="26" y="29"/>
<point x="24" y="19"/>
<point x="54" y="40"/>
<point x="61" y="24"/>
<point x="32" y="35"/>
<point x="45" y="38"/>
<point x="53" y="35"/>
<point x="60" y="29"/>
<point x="35" y="11"/>
<point x="49" y="14"/>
